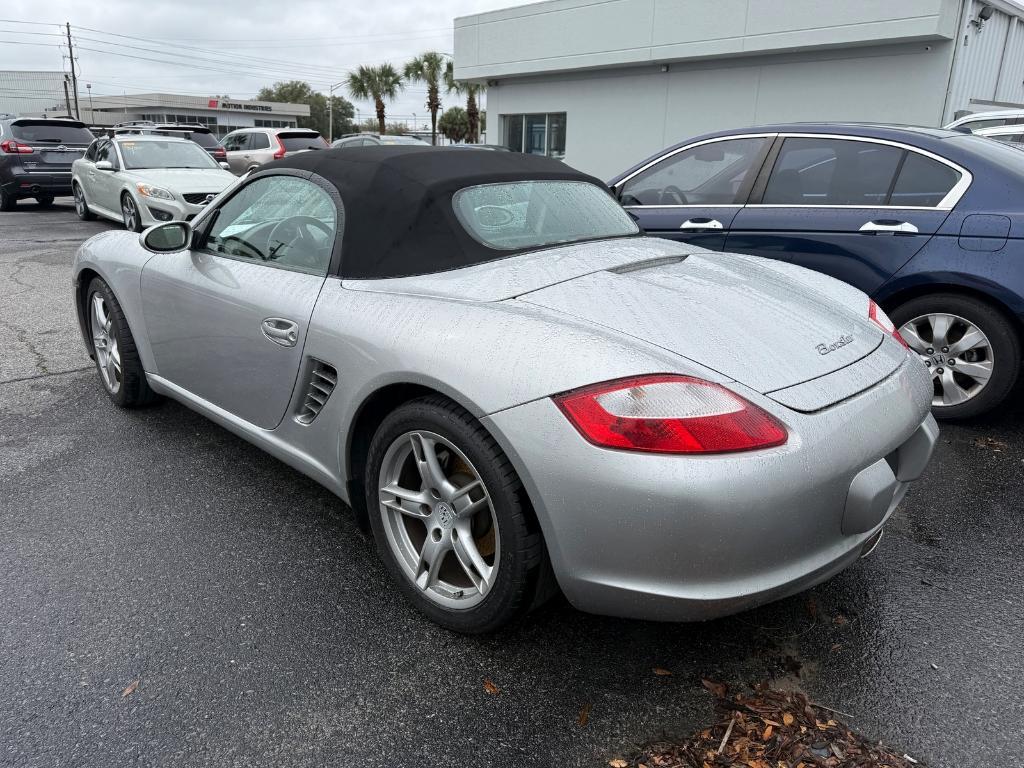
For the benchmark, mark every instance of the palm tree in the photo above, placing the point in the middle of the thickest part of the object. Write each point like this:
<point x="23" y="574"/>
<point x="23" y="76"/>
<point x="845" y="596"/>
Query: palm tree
<point x="379" y="84"/>
<point x="429" y="68"/>
<point x="472" y="90"/>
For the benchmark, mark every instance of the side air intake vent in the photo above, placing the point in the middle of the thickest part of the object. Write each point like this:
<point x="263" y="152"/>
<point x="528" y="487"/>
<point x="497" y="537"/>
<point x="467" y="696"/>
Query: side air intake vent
<point x="321" y="382"/>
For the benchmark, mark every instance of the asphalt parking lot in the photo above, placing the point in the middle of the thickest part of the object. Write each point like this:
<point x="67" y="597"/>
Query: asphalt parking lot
<point x="153" y="549"/>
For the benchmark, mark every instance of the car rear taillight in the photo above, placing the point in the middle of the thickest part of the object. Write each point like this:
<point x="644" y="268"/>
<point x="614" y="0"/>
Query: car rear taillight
<point x="668" y="413"/>
<point x="879" y="318"/>
<point x="220" y="153"/>
<point x="12" y="147"/>
<point x="280" y="149"/>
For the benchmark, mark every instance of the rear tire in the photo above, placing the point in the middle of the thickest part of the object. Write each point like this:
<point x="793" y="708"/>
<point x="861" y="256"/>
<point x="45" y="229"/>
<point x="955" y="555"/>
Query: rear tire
<point x="998" y="351"/>
<point x="502" y="530"/>
<point x="7" y="201"/>
<point x="81" y="206"/>
<point x="117" y="357"/>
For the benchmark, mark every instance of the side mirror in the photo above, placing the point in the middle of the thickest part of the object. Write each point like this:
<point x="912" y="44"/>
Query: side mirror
<point x="104" y="165"/>
<point x="225" y="166"/>
<point x="167" y="238"/>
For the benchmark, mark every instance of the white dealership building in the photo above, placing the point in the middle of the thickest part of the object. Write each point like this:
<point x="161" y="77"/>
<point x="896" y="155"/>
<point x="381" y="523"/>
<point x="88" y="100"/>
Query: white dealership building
<point x="36" y="94"/>
<point x="605" y="83"/>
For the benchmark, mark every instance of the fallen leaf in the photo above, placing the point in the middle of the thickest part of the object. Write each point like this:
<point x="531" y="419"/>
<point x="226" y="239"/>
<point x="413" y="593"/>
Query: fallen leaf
<point x="661" y="672"/>
<point x="490" y="687"/>
<point x="618" y="762"/>
<point x="788" y="719"/>
<point x="718" y="689"/>
<point x="767" y="733"/>
<point x="584" y="716"/>
<point x="130" y="689"/>
<point x="840" y="620"/>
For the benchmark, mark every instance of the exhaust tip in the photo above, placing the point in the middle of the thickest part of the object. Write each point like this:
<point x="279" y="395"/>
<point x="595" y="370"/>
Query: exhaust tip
<point x="36" y="189"/>
<point x="870" y="545"/>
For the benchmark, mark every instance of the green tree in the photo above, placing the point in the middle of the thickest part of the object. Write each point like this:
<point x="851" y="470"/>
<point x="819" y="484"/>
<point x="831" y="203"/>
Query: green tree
<point x="299" y="92"/>
<point x="454" y="124"/>
<point x="471" y="90"/>
<point x="377" y="84"/>
<point x="429" y="68"/>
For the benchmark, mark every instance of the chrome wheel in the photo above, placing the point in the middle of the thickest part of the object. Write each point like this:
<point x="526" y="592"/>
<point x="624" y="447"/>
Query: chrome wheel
<point x="108" y="357"/>
<point x="957" y="352"/>
<point x="79" y="201"/>
<point x="130" y="214"/>
<point x="439" y="520"/>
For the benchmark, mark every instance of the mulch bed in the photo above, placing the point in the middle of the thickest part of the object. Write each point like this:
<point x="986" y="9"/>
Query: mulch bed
<point x="770" y="729"/>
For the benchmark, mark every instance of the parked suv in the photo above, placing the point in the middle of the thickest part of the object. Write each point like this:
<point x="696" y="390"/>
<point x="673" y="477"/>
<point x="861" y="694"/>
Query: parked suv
<point x="249" y="148"/>
<point x="200" y="134"/>
<point x="36" y="157"/>
<point x="978" y="120"/>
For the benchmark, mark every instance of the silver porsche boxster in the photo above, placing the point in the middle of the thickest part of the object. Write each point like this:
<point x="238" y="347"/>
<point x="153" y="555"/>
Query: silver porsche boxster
<point x="516" y="390"/>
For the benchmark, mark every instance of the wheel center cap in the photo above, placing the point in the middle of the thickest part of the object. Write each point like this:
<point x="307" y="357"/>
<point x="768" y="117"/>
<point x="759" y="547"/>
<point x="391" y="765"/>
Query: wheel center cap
<point x="445" y="514"/>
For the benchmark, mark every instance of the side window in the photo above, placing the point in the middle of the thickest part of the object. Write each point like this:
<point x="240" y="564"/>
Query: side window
<point x="923" y="182"/>
<point x="709" y="174"/>
<point x="832" y="172"/>
<point x="90" y="153"/>
<point x="106" y="151"/>
<point x="278" y="221"/>
<point x="259" y="141"/>
<point x="234" y="142"/>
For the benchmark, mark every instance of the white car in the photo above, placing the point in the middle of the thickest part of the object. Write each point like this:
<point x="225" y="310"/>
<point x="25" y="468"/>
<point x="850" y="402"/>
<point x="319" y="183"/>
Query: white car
<point x="1008" y="134"/>
<point x="146" y="180"/>
<point x="973" y="123"/>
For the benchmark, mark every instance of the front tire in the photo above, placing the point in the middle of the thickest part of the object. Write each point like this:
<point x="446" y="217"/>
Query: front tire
<point x="117" y="358"/>
<point x="451" y="519"/>
<point x="970" y="347"/>
<point x="81" y="206"/>
<point x="130" y="213"/>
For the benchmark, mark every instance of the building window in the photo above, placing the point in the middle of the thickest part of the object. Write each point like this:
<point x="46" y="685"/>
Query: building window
<point x="275" y="123"/>
<point x="538" y="134"/>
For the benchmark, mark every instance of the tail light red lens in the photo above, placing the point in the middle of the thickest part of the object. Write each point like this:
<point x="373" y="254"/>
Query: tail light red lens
<point x="280" y="149"/>
<point x="12" y="147"/>
<point x="879" y="318"/>
<point x="220" y="153"/>
<point x="668" y="413"/>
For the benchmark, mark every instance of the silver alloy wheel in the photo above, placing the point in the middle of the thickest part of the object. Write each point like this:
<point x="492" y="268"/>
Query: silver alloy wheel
<point x="957" y="352"/>
<point x="439" y="519"/>
<point x="79" y="201"/>
<point x="129" y="213"/>
<point x="108" y="357"/>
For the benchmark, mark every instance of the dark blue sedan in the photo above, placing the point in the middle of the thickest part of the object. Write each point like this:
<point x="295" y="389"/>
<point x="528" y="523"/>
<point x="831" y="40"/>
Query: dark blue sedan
<point x="929" y="222"/>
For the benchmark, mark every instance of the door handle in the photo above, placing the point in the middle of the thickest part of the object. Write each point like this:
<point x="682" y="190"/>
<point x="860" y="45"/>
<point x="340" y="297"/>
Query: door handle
<point x="280" y="331"/>
<point x="890" y="226"/>
<point x="701" y="224"/>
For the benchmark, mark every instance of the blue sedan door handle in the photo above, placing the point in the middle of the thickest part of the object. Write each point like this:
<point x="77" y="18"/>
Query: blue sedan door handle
<point x="889" y="226"/>
<point x="281" y="331"/>
<point x="701" y="224"/>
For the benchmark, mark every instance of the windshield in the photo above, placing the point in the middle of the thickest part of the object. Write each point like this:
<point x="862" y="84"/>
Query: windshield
<point x="165" y="154"/>
<point x="293" y="142"/>
<point x="532" y="214"/>
<point x="50" y="132"/>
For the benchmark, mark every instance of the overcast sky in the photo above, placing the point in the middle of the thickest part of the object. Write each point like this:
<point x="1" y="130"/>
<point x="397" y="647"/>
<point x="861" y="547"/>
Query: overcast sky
<point x="245" y="44"/>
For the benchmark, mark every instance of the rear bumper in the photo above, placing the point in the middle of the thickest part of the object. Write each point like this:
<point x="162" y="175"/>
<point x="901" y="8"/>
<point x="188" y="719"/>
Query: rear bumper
<point x="687" y="538"/>
<point x="29" y="183"/>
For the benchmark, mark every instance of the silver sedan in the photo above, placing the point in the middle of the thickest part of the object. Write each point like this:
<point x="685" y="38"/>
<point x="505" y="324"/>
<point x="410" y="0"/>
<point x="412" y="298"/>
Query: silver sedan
<point x="516" y="390"/>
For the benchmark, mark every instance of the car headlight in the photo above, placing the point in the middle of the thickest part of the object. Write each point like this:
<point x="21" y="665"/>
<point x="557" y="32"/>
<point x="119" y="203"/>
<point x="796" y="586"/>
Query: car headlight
<point x="148" y="190"/>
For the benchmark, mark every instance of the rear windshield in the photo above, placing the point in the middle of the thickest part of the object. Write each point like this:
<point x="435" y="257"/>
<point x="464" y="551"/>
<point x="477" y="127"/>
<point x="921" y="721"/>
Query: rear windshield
<point x="308" y="140"/>
<point x="50" y="132"/>
<point x="533" y="214"/>
<point x="202" y="138"/>
<point x="164" y="154"/>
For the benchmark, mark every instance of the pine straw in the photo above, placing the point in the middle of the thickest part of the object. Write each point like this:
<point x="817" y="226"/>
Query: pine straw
<point x="771" y="729"/>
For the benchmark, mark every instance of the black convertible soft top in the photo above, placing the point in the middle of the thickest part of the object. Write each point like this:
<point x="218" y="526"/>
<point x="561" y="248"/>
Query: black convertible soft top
<point x="398" y="216"/>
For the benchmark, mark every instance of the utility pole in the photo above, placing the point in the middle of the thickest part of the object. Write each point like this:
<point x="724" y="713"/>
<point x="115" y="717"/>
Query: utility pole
<point x="67" y="98"/>
<point x="74" y="77"/>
